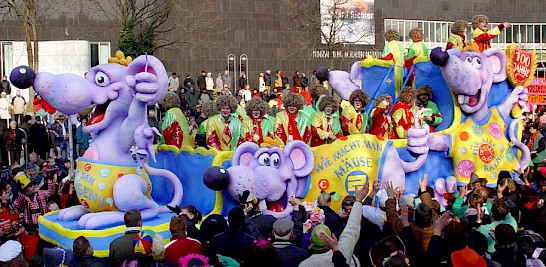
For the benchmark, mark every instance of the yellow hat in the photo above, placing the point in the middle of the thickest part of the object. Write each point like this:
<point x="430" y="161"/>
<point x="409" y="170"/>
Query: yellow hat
<point x="22" y="180"/>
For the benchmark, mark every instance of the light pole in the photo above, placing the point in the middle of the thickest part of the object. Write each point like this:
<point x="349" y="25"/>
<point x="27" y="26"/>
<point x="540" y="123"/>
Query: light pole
<point x="25" y="141"/>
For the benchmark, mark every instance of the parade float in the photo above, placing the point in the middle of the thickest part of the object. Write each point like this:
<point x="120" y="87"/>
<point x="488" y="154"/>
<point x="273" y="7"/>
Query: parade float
<point x="479" y="133"/>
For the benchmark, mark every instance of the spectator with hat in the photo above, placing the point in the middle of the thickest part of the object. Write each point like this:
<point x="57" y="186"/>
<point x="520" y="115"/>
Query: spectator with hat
<point x="322" y="254"/>
<point x="233" y="242"/>
<point x="148" y="250"/>
<point x="467" y="257"/>
<point x="289" y="254"/>
<point x="32" y="202"/>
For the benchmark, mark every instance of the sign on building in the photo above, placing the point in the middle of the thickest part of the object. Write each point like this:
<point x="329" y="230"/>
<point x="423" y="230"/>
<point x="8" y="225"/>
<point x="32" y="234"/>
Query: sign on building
<point x="350" y="21"/>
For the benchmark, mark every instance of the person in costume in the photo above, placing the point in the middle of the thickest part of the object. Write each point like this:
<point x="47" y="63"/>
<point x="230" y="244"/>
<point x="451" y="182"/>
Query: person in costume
<point x="402" y="113"/>
<point x="354" y="119"/>
<point x="258" y="125"/>
<point x="208" y="110"/>
<point x="380" y="120"/>
<point x="223" y="131"/>
<point x="325" y="126"/>
<point x="394" y="51"/>
<point x="458" y="37"/>
<point x="433" y="118"/>
<point x="31" y="201"/>
<point x="292" y="123"/>
<point x="481" y="36"/>
<point x="416" y="49"/>
<point x="538" y="146"/>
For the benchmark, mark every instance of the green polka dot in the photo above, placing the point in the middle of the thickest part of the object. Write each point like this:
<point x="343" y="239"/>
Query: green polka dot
<point x="105" y="173"/>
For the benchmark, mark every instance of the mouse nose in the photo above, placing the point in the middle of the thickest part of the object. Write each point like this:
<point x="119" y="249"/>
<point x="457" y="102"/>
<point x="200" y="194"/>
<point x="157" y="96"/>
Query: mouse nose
<point x="22" y="77"/>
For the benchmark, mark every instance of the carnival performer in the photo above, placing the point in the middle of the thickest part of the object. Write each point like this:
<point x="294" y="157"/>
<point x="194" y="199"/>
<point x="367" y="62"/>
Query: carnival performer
<point x="380" y="120"/>
<point x="258" y="125"/>
<point x="31" y="201"/>
<point x="416" y="49"/>
<point x="402" y="113"/>
<point x="481" y="36"/>
<point x="354" y="119"/>
<point x="224" y="130"/>
<point x="457" y="39"/>
<point x="433" y="118"/>
<point x="293" y="123"/>
<point x="208" y="110"/>
<point x="394" y="51"/>
<point x="325" y="126"/>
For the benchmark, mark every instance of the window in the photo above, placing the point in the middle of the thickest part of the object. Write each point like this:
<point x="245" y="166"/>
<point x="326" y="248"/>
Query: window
<point x="99" y="53"/>
<point x="6" y="58"/>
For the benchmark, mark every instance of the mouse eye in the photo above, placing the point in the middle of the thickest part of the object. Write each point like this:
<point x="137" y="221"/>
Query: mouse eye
<point x="264" y="159"/>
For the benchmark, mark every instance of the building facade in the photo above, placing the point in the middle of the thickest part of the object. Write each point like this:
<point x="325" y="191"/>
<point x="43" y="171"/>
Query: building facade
<point x="264" y="32"/>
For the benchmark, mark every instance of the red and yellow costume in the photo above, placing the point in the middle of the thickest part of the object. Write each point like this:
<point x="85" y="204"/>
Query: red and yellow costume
<point x="224" y="134"/>
<point x="289" y="127"/>
<point x="324" y="126"/>
<point x="257" y="129"/>
<point x="394" y="51"/>
<point x="483" y="38"/>
<point x="402" y="120"/>
<point x="380" y="121"/>
<point x="353" y="121"/>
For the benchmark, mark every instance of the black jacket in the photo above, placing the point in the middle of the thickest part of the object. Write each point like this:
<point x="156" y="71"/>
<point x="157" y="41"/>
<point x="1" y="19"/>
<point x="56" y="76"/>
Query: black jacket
<point x="332" y="220"/>
<point x="233" y="243"/>
<point x="122" y="248"/>
<point x="88" y="261"/>
<point x="290" y="255"/>
<point x="6" y="87"/>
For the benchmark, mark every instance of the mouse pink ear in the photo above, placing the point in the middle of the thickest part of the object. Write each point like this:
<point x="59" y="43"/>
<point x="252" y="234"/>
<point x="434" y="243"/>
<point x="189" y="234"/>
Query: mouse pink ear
<point x="301" y="156"/>
<point x="244" y="154"/>
<point x="497" y="59"/>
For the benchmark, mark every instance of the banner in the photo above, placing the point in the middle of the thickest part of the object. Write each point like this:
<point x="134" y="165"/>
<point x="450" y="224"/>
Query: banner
<point x="350" y="21"/>
<point x="344" y="164"/>
<point x="520" y="65"/>
<point x="537" y="91"/>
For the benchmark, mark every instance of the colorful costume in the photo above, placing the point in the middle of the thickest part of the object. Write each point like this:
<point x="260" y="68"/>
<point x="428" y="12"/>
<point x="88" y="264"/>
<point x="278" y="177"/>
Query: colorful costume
<point x="324" y="126"/>
<point x="434" y="113"/>
<point x="484" y="139"/>
<point x="416" y="49"/>
<point x="380" y="122"/>
<point x="255" y="130"/>
<point x="456" y="41"/>
<point x="290" y="127"/>
<point x="36" y="205"/>
<point x="224" y="134"/>
<point x="402" y="120"/>
<point x="394" y="51"/>
<point x="483" y="38"/>
<point x="353" y="121"/>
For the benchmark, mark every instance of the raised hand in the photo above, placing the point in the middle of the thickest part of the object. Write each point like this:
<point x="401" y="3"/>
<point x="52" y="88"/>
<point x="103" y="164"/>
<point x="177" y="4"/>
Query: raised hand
<point x="423" y="183"/>
<point x="441" y="222"/>
<point x="463" y="191"/>
<point x="330" y="241"/>
<point x="389" y="190"/>
<point x="362" y="193"/>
